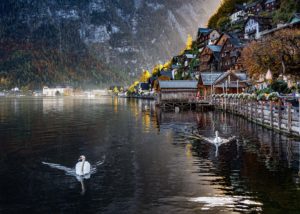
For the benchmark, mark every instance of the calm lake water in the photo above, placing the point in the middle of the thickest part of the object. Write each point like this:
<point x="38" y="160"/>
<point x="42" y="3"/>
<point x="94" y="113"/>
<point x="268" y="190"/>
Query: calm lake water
<point x="143" y="162"/>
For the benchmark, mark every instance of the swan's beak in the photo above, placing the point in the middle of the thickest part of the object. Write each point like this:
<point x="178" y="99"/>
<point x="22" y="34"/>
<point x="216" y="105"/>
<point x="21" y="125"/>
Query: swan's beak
<point x="80" y="158"/>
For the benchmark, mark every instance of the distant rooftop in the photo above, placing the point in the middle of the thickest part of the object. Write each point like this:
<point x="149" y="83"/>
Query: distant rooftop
<point x="215" y="48"/>
<point x="178" y="84"/>
<point x="204" y="31"/>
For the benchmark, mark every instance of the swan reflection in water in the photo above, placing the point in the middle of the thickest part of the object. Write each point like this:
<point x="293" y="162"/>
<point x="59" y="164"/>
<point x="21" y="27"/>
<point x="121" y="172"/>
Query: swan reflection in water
<point x="83" y="170"/>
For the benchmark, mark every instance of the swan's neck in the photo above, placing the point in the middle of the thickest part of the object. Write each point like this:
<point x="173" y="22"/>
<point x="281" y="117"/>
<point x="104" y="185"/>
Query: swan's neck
<point x="82" y="166"/>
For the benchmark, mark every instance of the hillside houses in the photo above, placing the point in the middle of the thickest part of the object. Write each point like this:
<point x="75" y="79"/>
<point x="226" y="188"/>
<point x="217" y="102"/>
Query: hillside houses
<point x="214" y="59"/>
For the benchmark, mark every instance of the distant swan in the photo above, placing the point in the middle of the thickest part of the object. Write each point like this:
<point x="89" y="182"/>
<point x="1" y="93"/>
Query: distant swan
<point x="83" y="167"/>
<point x="217" y="141"/>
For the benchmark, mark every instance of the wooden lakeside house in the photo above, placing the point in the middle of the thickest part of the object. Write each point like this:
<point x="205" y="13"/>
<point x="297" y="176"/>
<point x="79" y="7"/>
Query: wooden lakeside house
<point x="231" y="54"/>
<point x="177" y="90"/>
<point x="205" y="83"/>
<point x="219" y="82"/>
<point x="231" y="83"/>
<point x="210" y="58"/>
<point x="180" y="95"/>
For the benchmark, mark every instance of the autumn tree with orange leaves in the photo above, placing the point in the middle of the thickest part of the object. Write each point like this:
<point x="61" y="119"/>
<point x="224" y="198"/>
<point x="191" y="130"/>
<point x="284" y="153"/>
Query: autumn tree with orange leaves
<point x="279" y="52"/>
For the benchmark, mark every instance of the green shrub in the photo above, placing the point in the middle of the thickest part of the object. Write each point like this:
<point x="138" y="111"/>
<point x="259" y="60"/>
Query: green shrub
<point x="280" y="86"/>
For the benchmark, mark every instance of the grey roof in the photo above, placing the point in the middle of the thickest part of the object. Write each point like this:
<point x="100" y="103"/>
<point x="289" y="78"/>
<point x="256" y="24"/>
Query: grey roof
<point x="209" y="78"/>
<point x="236" y="42"/>
<point x="215" y="48"/>
<point x="269" y="1"/>
<point x="178" y="84"/>
<point x="204" y="31"/>
<point x="241" y="76"/>
<point x="295" y="19"/>
<point x="190" y="56"/>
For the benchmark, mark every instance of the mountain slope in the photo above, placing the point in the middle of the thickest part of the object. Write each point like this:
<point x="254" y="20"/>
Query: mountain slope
<point x="88" y="40"/>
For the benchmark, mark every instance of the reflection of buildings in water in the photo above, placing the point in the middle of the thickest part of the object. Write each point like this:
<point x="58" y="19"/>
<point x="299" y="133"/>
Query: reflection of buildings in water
<point x="53" y="105"/>
<point x="146" y="121"/>
<point x="143" y="111"/>
<point x="188" y="150"/>
<point x="115" y="104"/>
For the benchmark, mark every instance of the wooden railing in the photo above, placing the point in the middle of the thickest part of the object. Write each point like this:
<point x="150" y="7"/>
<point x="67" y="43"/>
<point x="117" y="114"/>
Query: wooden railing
<point x="280" y="115"/>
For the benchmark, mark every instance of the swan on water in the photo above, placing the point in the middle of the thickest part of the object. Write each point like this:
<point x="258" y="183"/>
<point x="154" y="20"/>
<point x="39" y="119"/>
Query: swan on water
<point x="217" y="141"/>
<point x="83" y="170"/>
<point x="83" y="167"/>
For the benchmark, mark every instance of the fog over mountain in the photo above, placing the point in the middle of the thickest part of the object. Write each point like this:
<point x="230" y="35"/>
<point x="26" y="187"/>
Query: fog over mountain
<point x="124" y="36"/>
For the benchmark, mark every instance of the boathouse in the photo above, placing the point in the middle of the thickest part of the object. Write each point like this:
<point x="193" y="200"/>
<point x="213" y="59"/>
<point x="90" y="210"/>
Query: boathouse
<point x="177" y="90"/>
<point x="206" y="81"/>
<point x="231" y="82"/>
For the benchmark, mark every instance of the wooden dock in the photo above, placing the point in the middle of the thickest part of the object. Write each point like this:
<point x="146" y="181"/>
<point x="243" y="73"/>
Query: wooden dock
<point x="280" y="116"/>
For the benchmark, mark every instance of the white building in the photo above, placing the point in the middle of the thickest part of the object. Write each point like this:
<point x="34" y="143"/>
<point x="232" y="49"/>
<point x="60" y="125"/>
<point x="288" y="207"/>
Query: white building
<point x="59" y="91"/>
<point x="237" y="16"/>
<point x="255" y="25"/>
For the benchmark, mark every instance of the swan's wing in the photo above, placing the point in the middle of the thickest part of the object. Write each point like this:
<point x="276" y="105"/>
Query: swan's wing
<point x="201" y="137"/>
<point x="78" y="168"/>
<point x="67" y="170"/>
<point x="86" y="168"/>
<point x="228" y="140"/>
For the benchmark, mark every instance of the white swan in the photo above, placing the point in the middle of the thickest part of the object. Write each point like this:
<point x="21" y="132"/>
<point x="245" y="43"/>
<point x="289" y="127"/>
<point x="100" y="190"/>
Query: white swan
<point x="83" y="167"/>
<point x="217" y="139"/>
<point x="82" y="171"/>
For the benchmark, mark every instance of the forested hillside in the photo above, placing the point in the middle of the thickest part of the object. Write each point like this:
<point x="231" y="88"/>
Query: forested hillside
<point x="221" y="18"/>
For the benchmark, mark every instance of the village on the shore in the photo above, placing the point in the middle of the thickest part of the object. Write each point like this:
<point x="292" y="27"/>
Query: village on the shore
<point x="249" y="55"/>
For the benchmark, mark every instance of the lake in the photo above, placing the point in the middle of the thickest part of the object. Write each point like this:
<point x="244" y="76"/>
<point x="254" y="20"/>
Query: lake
<point x="142" y="160"/>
